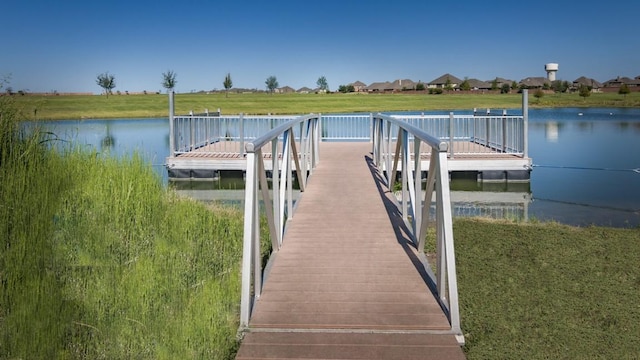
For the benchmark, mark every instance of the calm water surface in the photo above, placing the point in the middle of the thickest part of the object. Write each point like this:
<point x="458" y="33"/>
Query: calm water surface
<point x="583" y="164"/>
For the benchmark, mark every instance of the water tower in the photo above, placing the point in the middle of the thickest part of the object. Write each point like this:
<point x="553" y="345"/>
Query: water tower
<point x="551" y="69"/>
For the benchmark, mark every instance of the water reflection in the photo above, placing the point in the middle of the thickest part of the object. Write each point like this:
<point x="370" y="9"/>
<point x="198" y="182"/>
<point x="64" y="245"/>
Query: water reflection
<point x="551" y="131"/>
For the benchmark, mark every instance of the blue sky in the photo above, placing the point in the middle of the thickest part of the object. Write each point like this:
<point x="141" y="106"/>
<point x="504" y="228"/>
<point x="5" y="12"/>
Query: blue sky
<point x="63" y="45"/>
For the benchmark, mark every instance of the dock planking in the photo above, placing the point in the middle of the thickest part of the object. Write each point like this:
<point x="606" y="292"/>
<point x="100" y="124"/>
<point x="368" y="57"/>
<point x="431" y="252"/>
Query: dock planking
<point x="346" y="283"/>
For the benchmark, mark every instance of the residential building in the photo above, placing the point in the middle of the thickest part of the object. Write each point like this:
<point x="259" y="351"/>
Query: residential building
<point x="358" y="86"/>
<point x="444" y="81"/>
<point x="585" y="81"/>
<point x="534" y="82"/>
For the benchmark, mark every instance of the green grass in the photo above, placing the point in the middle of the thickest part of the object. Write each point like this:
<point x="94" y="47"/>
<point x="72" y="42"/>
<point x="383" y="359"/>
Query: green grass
<point x="548" y="291"/>
<point x="100" y="261"/>
<point x="153" y="105"/>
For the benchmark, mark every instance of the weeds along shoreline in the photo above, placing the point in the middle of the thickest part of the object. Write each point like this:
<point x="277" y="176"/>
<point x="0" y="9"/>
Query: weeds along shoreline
<point x="100" y="260"/>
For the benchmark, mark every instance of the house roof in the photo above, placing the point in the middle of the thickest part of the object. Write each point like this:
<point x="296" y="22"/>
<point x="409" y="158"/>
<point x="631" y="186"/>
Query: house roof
<point x="500" y="80"/>
<point x="304" y="89"/>
<point x="478" y="84"/>
<point x="583" y="80"/>
<point x="618" y="81"/>
<point x="534" y="81"/>
<point x="359" y="83"/>
<point x="443" y="80"/>
<point x="403" y="84"/>
<point x="379" y="86"/>
<point x="286" y="89"/>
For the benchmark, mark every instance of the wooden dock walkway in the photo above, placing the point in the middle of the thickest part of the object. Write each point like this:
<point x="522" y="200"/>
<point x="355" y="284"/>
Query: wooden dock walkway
<point x="347" y="283"/>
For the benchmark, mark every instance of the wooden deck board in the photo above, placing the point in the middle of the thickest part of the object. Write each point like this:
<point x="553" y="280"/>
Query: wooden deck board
<point x="349" y="346"/>
<point x="344" y="268"/>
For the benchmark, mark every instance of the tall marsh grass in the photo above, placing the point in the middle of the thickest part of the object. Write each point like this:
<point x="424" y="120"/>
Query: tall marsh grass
<point x="98" y="260"/>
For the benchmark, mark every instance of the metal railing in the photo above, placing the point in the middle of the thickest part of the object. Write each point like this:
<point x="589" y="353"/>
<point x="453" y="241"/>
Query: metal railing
<point x="486" y="135"/>
<point x="278" y="200"/>
<point x="346" y="127"/>
<point x="415" y="210"/>
<point x="473" y="135"/>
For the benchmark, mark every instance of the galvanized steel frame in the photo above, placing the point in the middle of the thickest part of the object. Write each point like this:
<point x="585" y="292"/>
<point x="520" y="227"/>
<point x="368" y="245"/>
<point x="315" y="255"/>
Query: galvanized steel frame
<point x="415" y="211"/>
<point x="278" y="200"/>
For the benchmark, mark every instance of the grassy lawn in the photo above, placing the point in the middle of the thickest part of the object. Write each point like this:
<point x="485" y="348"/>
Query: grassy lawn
<point x="153" y="105"/>
<point x="548" y="291"/>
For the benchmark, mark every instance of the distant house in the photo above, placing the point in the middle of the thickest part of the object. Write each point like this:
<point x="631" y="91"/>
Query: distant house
<point x="617" y="82"/>
<point x="476" y="84"/>
<point x="534" y="82"/>
<point x="403" y="84"/>
<point x="304" y="90"/>
<point x="379" y="87"/>
<point x="358" y="86"/>
<point x="285" y="90"/>
<point x="444" y="81"/>
<point x="499" y="82"/>
<point x="585" y="81"/>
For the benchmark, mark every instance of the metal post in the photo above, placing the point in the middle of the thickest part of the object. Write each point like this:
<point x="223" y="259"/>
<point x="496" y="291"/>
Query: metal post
<point x="247" y="251"/>
<point x="192" y="133"/>
<point x="487" y="129"/>
<point x="241" y="125"/>
<point x="525" y="120"/>
<point x="451" y="125"/>
<point x="172" y="141"/>
<point x="504" y="131"/>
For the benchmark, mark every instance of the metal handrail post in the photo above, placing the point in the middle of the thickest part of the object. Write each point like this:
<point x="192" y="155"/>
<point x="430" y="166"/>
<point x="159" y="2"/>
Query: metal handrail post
<point x="444" y="203"/>
<point x="241" y="134"/>
<point x="451" y="131"/>
<point x="525" y="120"/>
<point x="247" y="242"/>
<point x="504" y="131"/>
<point x="192" y="134"/>
<point x="172" y="113"/>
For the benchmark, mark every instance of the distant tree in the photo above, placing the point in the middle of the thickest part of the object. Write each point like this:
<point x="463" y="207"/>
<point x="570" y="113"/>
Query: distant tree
<point x="107" y="82"/>
<point x="322" y="83"/>
<point x="465" y="85"/>
<point x="346" y="88"/>
<point x="584" y="91"/>
<point x="419" y="86"/>
<point x="448" y="85"/>
<point x="560" y="86"/>
<point x="227" y="83"/>
<point x="538" y="94"/>
<point x="494" y="84"/>
<point x="169" y="80"/>
<point x="546" y="86"/>
<point x="505" y="89"/>
<point x="272" y="84"/>
<point x="514" y="85"/>
<point x="624" y="90"/>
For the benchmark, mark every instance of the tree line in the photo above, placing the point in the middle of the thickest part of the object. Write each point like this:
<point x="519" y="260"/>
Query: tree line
<point x="107" y="82"/>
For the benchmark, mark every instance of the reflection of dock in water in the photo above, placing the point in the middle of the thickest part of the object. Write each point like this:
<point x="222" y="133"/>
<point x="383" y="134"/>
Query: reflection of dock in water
<point x="496" y="205"/>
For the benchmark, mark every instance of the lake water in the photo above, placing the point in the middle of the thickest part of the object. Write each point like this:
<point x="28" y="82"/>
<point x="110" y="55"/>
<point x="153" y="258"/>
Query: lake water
<point x="583" y="165"/>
